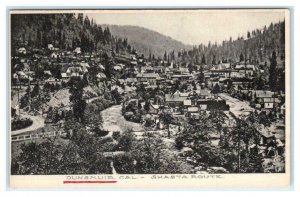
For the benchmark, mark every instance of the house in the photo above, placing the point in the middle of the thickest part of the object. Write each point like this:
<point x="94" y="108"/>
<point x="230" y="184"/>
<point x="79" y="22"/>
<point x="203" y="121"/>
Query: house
<point x="178" y="98"/>
<point x="117" y="68"/>
<point x="237" y="74"/>
<point x="270" y="103"/>
<point x="202" y="104"/>
<point x="140" y="60"/>
<point x="101" y="76"/>
<point x="130" y="81"/>
<point x="259" y="95"/>
<point x="26" y="67"/>
<point x="47" y="73"/>
<point x="238" y="83"/>
<point x="70" y="71"/>
<point x="168" y="70"/>
<point x="133" y="57"/>
<point x="84" y="66"/>
<point x="50" y="47"/>
<point x="23" y="76"/>
<point x="244" y="70"/>
<point x="121" y="81"/>
<point x="174" y="99"/>
<point x="267" y="99"/>
<point x="282" y="109"/>
<point x="133" y="63"/>
<point x="74" y="71"/>
<point x="218" y="67"/>
<point x="54" y="55"/>
<point x="193" y="109"/>
<point x="187" y="102"/>
<point x="183" y="71"/>
<point x="77" y="50"/>
<point x="158" y="69"/>
<point x="146" y="69"/>
<point x="221" y="73"/>
<point x="150" y="78"/>
<point x="227" y="65"/>
<point x="181" y="77"/>
<point x="101" y="67"/>
<point x="122" y="59"/>
<point x="204" y="94"/>
<point x="22" y="50"/>
<point x="153" y="109"/>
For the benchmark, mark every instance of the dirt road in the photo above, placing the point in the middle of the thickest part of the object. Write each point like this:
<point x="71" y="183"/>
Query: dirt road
<point x="114" y="121"/>
<point x="38" y="122"/>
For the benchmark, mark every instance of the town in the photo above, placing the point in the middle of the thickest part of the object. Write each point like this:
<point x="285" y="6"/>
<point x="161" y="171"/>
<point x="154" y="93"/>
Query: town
<point x="85" y="109"/>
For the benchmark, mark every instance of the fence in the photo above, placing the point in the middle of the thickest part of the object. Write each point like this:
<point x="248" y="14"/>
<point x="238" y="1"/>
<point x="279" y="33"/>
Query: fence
<point x="35" y="136"/>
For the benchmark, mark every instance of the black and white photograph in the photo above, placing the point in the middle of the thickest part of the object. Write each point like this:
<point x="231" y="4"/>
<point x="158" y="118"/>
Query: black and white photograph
<point x="149" y="92"/>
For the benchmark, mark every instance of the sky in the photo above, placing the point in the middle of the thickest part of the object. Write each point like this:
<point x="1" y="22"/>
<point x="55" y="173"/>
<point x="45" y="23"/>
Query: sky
<point x="194" y="26"/>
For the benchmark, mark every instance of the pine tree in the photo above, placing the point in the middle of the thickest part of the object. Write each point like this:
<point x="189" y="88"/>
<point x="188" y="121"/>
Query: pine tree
<point x="165" y="56"/>
<point x="87" y="23"/>
<point x="242" y="57"/>
<point x="214" y="61"/>
<point x="80" y="18"/>
<point x="272" y="72"/>
<point x="203" y="60"/>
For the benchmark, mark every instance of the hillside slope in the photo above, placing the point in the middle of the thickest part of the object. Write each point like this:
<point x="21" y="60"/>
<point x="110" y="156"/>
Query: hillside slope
<point x="146" y="40"/>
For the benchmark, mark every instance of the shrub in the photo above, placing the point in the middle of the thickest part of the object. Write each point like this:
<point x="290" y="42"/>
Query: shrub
<point x="100" y="132"/>
<point x="124" y="164"/>
<point x="116" y="135"/>
<point x="20" y="124"/>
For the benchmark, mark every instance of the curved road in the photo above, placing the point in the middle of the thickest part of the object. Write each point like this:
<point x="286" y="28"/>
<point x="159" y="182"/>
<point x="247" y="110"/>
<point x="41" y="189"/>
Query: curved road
<point x="37" y="122"/>
<point x="113" y="120"/>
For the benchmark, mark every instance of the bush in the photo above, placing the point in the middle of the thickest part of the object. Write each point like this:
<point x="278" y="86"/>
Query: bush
<point x="133" y="117"/>
<point x="100" y="132"/>
<point x="124" y="164"/>
<point x="20" y="124"/>
<point x="102" y="103"/>
<point x="116" y="135"/>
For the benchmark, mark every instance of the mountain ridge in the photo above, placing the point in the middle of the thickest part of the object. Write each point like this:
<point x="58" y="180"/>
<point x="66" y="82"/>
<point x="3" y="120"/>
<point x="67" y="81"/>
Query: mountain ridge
<point x="147" y="41"/>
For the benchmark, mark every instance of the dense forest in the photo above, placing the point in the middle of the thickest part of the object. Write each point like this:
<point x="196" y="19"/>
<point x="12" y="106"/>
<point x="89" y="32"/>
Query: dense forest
<point x="257" y="47"/>
<point x="64" y="31"/>
<point x="67" y="31"/>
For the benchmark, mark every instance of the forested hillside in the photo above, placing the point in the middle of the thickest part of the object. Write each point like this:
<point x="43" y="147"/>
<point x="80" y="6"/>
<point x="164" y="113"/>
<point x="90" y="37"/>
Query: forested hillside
<point x="147" y="41"/>
<point x="67" y="31"/>
<point x="64" y="31"/>
<point x="258" y="46"/>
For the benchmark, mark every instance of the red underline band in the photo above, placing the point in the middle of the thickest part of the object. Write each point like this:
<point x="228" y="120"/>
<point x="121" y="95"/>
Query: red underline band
<point x="78" y="182"/>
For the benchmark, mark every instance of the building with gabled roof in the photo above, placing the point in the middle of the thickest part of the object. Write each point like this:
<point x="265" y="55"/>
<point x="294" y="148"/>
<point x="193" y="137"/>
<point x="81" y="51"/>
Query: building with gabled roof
<point x="150" y="78"/>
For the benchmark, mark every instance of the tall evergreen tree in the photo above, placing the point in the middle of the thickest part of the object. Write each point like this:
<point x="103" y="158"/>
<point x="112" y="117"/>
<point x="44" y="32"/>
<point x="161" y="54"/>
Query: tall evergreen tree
<point x="203" y="59"/>
<point x="272" y="72"/>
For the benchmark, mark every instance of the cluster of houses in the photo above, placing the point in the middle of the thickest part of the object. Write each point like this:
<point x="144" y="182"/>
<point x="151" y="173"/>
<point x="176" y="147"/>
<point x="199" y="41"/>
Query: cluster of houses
<point x="182" y="92"/>
<point x="130" y="69"/>
<point x="53" y="64"/>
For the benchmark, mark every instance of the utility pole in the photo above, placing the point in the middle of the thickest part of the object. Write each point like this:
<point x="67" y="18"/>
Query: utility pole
<point x="239" y="144"/>
<point x="19" y="95"/>
<point x="29" y="94"/>
<point x="245" y="57"/>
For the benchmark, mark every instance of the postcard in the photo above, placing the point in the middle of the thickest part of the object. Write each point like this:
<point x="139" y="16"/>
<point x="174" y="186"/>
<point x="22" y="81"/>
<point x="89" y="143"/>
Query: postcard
<point x="161" y="98"/>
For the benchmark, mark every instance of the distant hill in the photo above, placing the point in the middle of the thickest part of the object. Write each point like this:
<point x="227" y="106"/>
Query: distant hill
<point x="146" y="40"/>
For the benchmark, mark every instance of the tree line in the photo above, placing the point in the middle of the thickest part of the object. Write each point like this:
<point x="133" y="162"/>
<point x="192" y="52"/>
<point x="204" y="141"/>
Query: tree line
<point x="64" y="31"/>
<point x="257" y="46"/>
